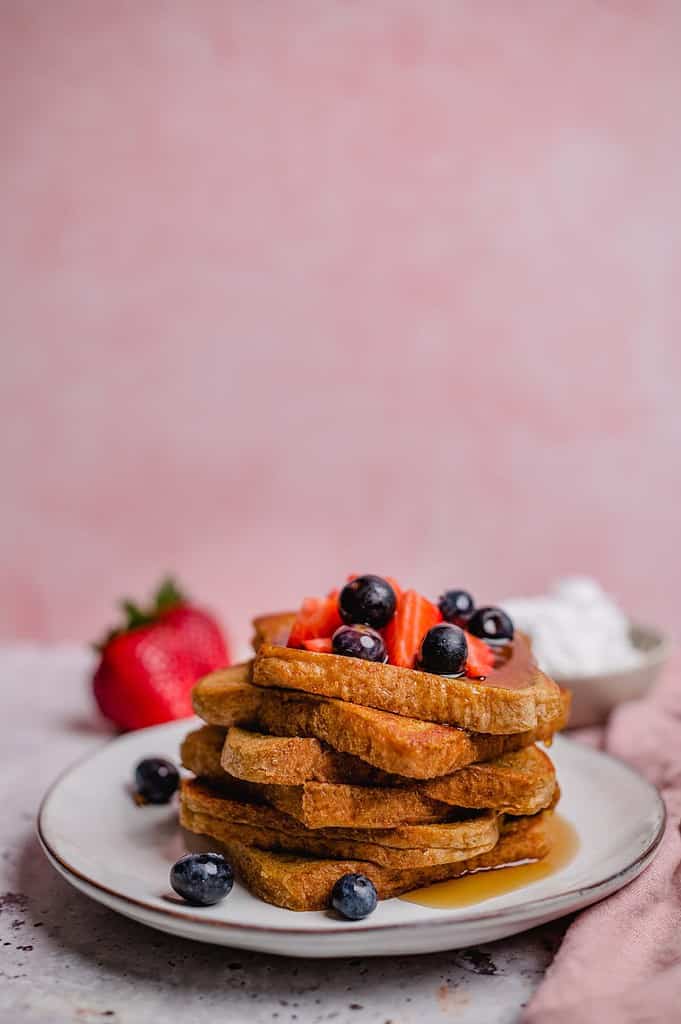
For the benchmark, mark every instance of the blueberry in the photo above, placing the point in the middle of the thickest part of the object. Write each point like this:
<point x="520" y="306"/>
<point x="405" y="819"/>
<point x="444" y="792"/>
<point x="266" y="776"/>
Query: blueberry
<point x="354" y="896"/>
<point x="491" y="624"/>
<point x="202" y="878"/>
<point x="444" y="650"/>
<point x="456" y="606"/>
<point x="369" y="600"/>
<point x="359" y="642"/>
<point x="156" y="780"/>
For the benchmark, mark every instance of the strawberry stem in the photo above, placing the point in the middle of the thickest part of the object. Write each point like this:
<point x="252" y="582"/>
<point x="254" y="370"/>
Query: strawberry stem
<point x="135" y="615"/>
<point x="168" y="595"/>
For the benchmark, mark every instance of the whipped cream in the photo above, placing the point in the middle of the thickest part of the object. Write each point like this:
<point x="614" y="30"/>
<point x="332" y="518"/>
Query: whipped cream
<point x="576" y="629"/>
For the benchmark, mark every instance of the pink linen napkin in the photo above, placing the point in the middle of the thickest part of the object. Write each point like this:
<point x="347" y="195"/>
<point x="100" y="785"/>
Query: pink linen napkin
<point x="620" y="961"/>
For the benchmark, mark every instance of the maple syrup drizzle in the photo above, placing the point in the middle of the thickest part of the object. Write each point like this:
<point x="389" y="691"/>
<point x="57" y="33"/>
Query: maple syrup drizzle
<point x="486" y="884"/>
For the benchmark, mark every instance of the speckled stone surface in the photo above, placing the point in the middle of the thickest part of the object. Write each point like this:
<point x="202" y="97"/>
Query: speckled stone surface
<point x="66" y="958"/>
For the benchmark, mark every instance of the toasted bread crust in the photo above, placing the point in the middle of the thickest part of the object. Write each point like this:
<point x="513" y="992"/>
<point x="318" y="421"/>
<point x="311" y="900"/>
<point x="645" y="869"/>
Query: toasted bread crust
<point x="272" y="629"/>
<point x="207" y="811"/>
<point x="292" y="760"/>
<point x="201" y="750"/>
<point x="305" y="883"/>
<point x="465" y="828"/>
<point x="466" y="703"/>
<point x="393" y="743"/>
<point x="520" y="783"/>
<point x="339" y="805"/>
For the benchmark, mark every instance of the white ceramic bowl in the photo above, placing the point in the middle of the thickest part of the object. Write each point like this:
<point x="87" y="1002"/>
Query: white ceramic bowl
<point x="594" y="697"/>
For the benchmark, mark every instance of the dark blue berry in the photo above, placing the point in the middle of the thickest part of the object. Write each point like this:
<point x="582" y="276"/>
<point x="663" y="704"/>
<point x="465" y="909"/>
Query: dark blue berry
<point x="156" y="780"/>
<point x="202" y="878"/>
<point x="369" y="600"/>
<point x="491" y="624"/>
<point x="354" y="896"/>
<point x="359" y="642"/>
<point x="443" y="650"/>
<point x="456" y="606"/>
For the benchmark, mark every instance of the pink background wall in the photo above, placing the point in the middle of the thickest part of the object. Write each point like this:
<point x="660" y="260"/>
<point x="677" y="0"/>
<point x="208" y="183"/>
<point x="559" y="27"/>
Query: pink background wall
<point x="293" y="289"/>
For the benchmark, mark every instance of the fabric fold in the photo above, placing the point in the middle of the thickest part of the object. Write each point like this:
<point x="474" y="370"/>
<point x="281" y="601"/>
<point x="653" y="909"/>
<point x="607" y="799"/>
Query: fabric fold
<point x="620" y="960"/>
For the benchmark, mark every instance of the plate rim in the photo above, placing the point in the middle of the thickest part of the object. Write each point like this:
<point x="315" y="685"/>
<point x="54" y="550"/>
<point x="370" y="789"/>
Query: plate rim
<point x="529" y="909"/>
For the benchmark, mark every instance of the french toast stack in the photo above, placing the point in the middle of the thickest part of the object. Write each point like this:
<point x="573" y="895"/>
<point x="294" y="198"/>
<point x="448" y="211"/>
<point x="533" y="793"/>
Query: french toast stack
<point x="313" y="765"/>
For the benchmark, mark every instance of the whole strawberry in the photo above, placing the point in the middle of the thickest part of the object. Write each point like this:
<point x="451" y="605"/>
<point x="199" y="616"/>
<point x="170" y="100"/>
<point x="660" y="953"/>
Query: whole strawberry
<point x="149" y="665"/>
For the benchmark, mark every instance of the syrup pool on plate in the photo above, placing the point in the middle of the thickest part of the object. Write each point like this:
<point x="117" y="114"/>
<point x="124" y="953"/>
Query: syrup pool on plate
<point x="486" y="884"/>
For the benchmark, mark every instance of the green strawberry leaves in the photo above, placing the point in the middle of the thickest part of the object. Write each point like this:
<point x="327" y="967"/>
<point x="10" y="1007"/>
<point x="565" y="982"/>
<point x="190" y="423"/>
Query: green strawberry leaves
<point x="167" y="596"/>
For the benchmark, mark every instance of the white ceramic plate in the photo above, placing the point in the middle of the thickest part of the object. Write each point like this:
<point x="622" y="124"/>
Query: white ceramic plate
<point x="120" y="855"/>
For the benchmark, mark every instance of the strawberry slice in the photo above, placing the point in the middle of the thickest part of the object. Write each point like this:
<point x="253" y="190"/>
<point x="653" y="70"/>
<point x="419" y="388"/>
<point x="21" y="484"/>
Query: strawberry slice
<point x="403" y="635"/>
<point x="322" y="645"/>
<point x="317" y="619"/>
<point x="480" y="660"/>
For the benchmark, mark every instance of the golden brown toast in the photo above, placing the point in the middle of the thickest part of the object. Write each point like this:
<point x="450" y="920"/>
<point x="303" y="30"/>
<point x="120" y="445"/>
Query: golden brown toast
<point x="305" y="883"/>
<point x="333" y="804"/>
<point x="338" y="805"/>
<point x="201" y="750"/>
<point x="317" y="805"/>
<point x="272" y="629"/>
<point x="393" y="743"/>
<point x="514" y="698"/>
<point x="292" y="760"/>
<point x="209" y="811"/>
<point x="520" y="783"/>
<point x="212" y="751"/>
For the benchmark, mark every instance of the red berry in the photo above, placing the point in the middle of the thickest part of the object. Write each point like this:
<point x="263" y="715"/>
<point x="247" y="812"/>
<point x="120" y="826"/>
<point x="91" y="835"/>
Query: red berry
<point x="202" y="638"/>
<point x="149" y="666"/>
<point x="323" y="645"/>
<point x="480" y="660"/>
<point x="414" y="616"/>
<point x="318" y="618"/>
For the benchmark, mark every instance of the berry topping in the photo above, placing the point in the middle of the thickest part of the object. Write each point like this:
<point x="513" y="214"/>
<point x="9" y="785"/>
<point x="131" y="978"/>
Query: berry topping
<point x="491" y="624"/>
<point x="369" y="600"/>
<point x="412" y="620"/>
<point x="456" y="606"/>
<point x="149" y="664"/>
<point x="480" y="660"/>
<point x="443" y="650"/>
<point x="389" y="579"/>
<point x="354" y="896"/>
<point x="156" y="780"/>
<point x="318" y="618"/>
<point x="322" y="645"/>
<point x="359" y="642"/>
<point x="202" y="878"/>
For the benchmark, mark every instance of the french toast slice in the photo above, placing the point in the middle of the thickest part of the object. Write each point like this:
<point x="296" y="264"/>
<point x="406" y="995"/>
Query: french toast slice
<point x="514" y="698"/>
<point x="291" y="760"/>
<point x="393" y="743"/>
<point x="210" y="811"/>
<point x="272" y="629"/>
<point x="338" y="805"/>
<point x="294" y="760"/>
<point x="284" y="760"/>
<point x="333" y="804"/>
<point x="520" y="783"/>
<point x="304" y="883"/>
<point x="201" y="750"/>
<point x="318" y="804"/>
